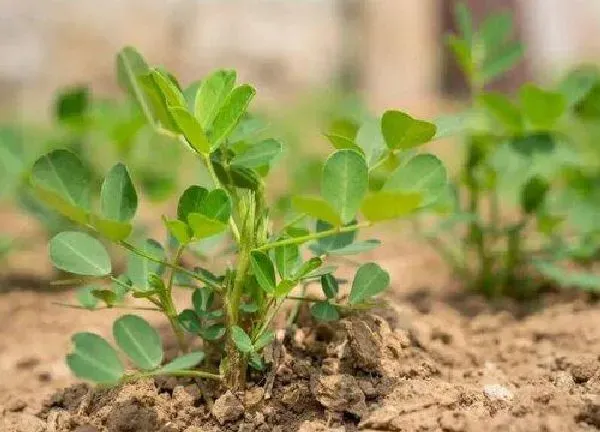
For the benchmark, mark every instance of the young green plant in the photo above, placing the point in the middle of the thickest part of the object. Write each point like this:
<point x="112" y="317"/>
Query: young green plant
<point x="232" y="313"/>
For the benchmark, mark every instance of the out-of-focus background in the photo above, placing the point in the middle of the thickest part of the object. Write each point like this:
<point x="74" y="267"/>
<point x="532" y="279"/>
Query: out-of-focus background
<point x="389" y="50"/>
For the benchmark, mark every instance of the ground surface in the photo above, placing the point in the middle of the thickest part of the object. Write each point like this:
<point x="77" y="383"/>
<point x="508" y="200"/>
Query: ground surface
<point x="434" y="360"/>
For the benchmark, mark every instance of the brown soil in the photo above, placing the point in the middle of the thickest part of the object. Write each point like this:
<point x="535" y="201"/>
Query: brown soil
<point x="431" y="361"/>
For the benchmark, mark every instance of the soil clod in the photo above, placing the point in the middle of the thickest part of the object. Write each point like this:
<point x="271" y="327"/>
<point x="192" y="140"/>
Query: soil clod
<point x="227" y="408"/>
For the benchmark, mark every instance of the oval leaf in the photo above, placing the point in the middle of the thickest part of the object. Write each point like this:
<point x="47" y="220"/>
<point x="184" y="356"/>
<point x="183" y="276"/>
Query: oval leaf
<point x="330" y="286"/>
<point x="241" y="339"/>
<point x="370" y="280"/>
<point x="383" y="205"/>
<point x="262" y="268"/>
<point x="317" y="208"/>
<point x="286" y="259"/>
<point x="184" y="362"/>
<point x="118" y="198"/>
<point x="80" y="254"/>
<point x="230" y="113"/>
<point x="211" y="95"/>
<point x="258" y="155"/>
<point x="139" y="341"/>
<point x="94" y="359"/>
<point x="401" y="131"/>
<point x="131" y="65"/>
<point x="191" y="129"/>
<point x="190" y="202"/>
<point x="324" y="311"/>
<point x="216" y="205"/>
<point x="345" y="182"/>
<point x="424" y="174"/>
<point x="204" y="227"/>
<point x="355" y="248"/>
<point x="139" y="268"/>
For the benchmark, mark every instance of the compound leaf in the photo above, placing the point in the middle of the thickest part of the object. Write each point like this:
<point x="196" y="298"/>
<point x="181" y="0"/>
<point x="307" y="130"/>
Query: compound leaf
<point x="190" y="202"/>
<point x="204" y="227"/>
<point x="258" y="155"/>
<point x="230" y="114"/>
<point x="211" y="95"/>
<point x="191" y="129"/>
<point x="324" y="311"/>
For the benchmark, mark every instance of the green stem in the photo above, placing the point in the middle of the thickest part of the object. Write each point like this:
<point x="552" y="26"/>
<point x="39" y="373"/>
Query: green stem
<point x="169" y="306"/>
<point x="179" y="373"/>
<point x="209" y="283"/>
<point x="314" y="236"/>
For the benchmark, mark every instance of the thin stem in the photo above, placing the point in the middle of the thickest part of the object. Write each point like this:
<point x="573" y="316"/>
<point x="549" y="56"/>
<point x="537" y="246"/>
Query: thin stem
<point x="314" y="236"/>
<point x="169" y="305"/>
<point x="340" y="305"/>
<point x="179" y="373"/>
<point x="209" y="283"/>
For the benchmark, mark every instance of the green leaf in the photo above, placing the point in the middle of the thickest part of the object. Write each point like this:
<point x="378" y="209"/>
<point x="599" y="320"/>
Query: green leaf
<point x="169" y="90"/>
<point x="264" y="339"/>
<point x="184" y="362"/>
<point x="213" y="332"/>
<point x="355" y="248"/>
<point x="308" y="267"/>
<point x="385" y="205"/>
<point x="461" y="49"/>
<point x="179" y="230"/>
<point x="424" y="174"/>
<point x="317" y="208"/>
<point x="502" y="61"/>
<point x="78" y="253"/>
<point x="157" y="102"/>
<point x="502" y="109"/>
<point x="330" y="286"/>
<point x="262" y="267"/>
<point x="190" y="202"/>
<point x="131" y="65"/>
<point x="94" y="359"/>
<point x="284" y="287"/>
<point x="286" y="259"/>
<point x="139" y="268"/>
<point x="216" y="205"/>
<point x="324" y="311"/>
<point x="118" y="198"/>
<point x="212" y="94"/>
<point x="249" y="307"/>
<point x="336" y="241"/>
<point x="241" y="339"/>
<point x="401" y="131"/>
<point x="139" y="341"/>
<point x="191" y="129"/>
<point x="542" y="108"/>
<point x="345" y="182"/>
<point x="320" y="272"/>
<point x="72" y="105"/>
<point x="370" y="280"/>
<point x="109" y="297"/>
<point x="202" y="299"/>
<point x="86" y="298"/>
<point x="258" y="155"/>
<point x="578" y="84"/>
<point x="528" y="145"/>
<point x="61" y="181"/>
<point x="230" y="114"/>
<point x="111" y="229"/>
<point x="533" y="194"/>
<point x="190" y="321"/>
<point x="342" y="134"/>
<point x="204" y="227"/>
<point x="586" y="281"/>
<point x="495" y="30"/>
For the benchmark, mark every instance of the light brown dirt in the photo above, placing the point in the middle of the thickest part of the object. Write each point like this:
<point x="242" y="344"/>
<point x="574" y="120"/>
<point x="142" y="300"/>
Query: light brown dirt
<point x="433" y="360"/>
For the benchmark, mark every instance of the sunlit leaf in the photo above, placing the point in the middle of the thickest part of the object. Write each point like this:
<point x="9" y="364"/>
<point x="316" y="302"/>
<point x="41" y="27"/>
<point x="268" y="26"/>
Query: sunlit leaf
<point x="317" y="208"/>
<point x="263" y="270"/>
<point x="241" y="339"/>
<point x="401" y="131"/>
<point x="118" y="198"/>
<point x="204" y="227"/>
<point x="191" y="129"/>
<point x="384" y="205"/>
<point x="190" y="202"/>
<point x="345" y="182"/>
<point x="324" y="311"/>
<point x="258" y="155"/>
<point x="211" y="96"/>
<point x="185" y="362"/>
<point x="541" y="108"/>
<point x="230" y="114"/>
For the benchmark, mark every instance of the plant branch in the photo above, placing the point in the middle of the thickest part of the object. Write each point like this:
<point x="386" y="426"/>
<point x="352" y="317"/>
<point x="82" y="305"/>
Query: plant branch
<point x="209" y="283"/>
<point x="314" y="236"/>
<point x="135" y="308"/>
<point x="179" y="373"/>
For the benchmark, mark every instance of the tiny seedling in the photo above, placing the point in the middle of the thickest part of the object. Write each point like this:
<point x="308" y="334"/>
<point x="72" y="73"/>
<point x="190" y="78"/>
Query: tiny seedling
<point x="231" y="312"/>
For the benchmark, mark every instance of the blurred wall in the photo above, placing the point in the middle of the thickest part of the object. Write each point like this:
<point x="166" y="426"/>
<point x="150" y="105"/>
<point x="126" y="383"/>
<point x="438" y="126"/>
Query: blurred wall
<point x="284" y="47"/>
